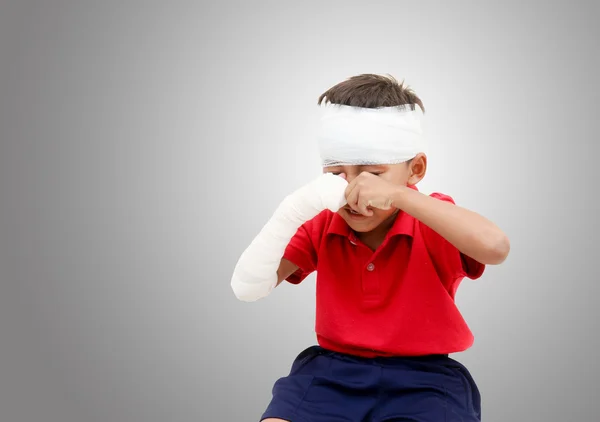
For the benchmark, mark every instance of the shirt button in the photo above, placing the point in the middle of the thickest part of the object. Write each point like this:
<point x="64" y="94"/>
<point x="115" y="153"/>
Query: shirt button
<point x="370" y="267"/>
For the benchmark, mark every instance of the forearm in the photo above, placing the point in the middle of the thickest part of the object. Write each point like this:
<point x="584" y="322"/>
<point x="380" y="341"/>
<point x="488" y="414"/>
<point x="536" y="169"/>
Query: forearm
<point x="255" y="274"/>
<point x="471" y="233"/>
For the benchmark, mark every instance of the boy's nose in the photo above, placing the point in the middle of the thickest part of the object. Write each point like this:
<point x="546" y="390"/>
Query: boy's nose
<point x="350" y="176"/>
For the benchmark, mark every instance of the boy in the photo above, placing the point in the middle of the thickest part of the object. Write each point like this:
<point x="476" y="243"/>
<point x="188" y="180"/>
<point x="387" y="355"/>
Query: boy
<point x="388" y="260"/>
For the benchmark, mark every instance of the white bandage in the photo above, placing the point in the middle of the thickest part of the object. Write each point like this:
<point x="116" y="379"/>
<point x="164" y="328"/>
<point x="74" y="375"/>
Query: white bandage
<point x="255" y="274"/>
<point x="369" y="136"/>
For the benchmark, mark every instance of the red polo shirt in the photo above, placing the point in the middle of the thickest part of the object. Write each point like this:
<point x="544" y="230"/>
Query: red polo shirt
<point x="396" y="301"/>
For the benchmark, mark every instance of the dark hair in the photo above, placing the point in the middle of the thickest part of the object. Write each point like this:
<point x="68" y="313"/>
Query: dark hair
<point x="371" y="91"/>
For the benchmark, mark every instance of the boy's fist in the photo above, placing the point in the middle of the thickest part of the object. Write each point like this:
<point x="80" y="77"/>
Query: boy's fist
<point x="369" y="190"/>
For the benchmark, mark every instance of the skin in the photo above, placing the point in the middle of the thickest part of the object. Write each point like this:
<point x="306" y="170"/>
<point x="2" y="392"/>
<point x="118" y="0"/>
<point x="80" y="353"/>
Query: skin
<point x="377" y="193"/>
<point x="379" y="185"/>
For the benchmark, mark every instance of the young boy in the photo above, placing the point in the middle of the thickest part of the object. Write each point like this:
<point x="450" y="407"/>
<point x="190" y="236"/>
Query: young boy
<point x="388" y="261"/>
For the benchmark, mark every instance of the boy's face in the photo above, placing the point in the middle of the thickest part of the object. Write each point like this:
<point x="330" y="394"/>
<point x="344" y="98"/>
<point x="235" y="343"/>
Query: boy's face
<point x="403" y="174"/>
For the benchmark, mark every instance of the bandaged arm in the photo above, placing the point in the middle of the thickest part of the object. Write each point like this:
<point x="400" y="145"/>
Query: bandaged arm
<point x="255" y="274"/>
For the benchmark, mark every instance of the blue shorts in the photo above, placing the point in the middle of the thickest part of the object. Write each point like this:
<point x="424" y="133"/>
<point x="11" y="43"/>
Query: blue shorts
<point x="325" y="386"/>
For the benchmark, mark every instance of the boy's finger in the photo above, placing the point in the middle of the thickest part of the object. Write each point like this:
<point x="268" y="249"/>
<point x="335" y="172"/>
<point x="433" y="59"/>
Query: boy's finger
<point x="352" y="197"/>
<point x="363" y="208"/>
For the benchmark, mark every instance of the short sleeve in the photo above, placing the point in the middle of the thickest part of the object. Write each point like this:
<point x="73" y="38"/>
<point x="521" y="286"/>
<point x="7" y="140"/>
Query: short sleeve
<point x="302" y="252"/>
<point x="450" y="263"/>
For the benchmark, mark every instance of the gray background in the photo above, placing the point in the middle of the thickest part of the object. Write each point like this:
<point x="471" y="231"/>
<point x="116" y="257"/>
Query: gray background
<point x="144" y="144"/>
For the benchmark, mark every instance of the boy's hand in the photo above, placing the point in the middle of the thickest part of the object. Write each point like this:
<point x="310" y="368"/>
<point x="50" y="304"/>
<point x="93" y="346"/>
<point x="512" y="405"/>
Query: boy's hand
<point x="369" y="190"/>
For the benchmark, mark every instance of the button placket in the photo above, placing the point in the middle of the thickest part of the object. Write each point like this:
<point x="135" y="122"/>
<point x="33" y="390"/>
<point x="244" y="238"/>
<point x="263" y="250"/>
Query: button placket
<point x="370" y="282"/>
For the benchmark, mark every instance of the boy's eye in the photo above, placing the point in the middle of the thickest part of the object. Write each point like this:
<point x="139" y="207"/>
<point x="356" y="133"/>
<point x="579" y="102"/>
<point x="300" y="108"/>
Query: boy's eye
<point x="337" y="173"/>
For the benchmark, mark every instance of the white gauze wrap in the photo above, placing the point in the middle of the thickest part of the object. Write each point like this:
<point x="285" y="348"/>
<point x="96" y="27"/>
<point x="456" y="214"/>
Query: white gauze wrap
<point x="255" y="274"/>
<point x="369" y="136"/>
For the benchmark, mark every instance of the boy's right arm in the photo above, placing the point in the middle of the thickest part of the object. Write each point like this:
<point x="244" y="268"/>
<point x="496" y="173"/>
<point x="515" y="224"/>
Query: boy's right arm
<point x="262" y="265"/>
<point x="286" y="269"/>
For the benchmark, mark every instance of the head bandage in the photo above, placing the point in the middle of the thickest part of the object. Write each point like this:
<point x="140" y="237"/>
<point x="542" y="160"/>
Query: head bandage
<point x="369" y="136"/>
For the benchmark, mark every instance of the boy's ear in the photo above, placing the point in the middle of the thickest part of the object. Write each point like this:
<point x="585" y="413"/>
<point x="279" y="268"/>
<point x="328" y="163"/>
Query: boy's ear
<point x="417" y="170"/>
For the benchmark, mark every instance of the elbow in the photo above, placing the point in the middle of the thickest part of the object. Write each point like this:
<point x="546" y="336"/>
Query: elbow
<point x="249" y="292"/>
<point x="241" y="294"/>
<point x="497" y="249"/>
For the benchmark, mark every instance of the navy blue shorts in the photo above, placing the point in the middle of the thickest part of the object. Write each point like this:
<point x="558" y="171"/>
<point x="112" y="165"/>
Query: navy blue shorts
<point x="325" y="386"/>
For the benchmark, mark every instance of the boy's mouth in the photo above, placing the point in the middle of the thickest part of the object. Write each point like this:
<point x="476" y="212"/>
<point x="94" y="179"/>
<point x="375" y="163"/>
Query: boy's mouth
<point x="353" y="214"/>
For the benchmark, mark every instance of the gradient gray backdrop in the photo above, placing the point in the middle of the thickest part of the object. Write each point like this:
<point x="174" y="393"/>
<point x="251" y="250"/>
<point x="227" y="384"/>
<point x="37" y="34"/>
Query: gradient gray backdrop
<point x="144" y="144"/>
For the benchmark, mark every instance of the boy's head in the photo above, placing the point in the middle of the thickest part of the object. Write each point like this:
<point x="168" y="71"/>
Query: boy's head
<point x="385" y="141"/>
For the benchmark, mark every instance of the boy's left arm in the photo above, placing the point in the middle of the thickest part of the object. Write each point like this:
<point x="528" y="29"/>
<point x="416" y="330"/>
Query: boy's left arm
<point x="472" y="234"/>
